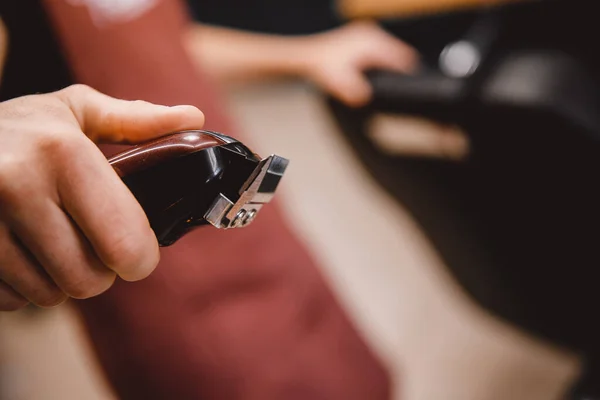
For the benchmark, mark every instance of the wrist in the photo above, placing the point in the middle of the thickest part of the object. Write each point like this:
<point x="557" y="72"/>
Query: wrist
<point x="302" y="53"/>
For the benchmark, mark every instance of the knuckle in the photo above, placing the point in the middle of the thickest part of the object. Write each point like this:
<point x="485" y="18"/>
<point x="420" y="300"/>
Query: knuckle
<point x="51" y="143"/>
<point x="10" y="166"/>
<point x="20" y="173"/>
<point x="89" y="287"/>
<point x="59" y="145"/>
<point x="12" y="181"/>
<point x="76" y="90"/>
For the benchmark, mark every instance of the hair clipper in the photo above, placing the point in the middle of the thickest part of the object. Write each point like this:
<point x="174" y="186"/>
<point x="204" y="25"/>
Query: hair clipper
<point x="194" y="178"/>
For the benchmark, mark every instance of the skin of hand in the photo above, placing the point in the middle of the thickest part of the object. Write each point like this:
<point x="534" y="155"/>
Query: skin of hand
<point x="68" y="224"/>
<point x="334" y="60"/>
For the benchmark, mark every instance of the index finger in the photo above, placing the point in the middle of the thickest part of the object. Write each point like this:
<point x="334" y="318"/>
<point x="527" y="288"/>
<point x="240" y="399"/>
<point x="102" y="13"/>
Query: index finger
<point x="105" y="210"/>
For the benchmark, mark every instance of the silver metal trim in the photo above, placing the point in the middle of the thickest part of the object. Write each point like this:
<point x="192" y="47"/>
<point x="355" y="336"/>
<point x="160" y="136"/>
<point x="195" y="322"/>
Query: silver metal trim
<point x="217" y="211"/>
<point x="258" y="190"/>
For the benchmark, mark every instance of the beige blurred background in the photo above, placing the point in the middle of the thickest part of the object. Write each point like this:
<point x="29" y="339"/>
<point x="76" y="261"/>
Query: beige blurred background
<point x="436" y="343"/>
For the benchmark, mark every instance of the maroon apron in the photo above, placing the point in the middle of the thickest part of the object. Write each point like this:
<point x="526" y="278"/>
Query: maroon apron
<point x="241" y="314"/>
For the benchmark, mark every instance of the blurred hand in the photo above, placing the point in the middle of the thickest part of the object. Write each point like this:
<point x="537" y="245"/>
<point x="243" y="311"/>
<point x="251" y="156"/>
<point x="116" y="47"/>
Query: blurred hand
<point x="68" y="224"/>
<point x="336" y="60"/>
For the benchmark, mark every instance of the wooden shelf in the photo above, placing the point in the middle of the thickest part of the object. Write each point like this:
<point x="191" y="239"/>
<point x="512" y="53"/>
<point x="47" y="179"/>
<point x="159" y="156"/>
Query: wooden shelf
<point x="356" y="9"/>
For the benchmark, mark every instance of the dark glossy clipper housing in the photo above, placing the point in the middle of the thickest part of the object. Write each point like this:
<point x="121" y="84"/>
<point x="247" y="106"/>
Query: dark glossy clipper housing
<point x="194" y="178"/>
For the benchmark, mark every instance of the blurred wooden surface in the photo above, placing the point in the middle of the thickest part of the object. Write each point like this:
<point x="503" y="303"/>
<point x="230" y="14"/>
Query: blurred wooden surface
<point x="352" y="9"/>
<point x="3" y="46"/>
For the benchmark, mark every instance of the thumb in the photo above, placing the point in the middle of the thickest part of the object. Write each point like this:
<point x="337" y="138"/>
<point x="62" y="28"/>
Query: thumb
<point x="106" y="119"/>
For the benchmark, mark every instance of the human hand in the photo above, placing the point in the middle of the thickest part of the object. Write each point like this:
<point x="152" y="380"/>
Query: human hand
<point x="336" y="60"/>
<point x="68" y="224"/>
